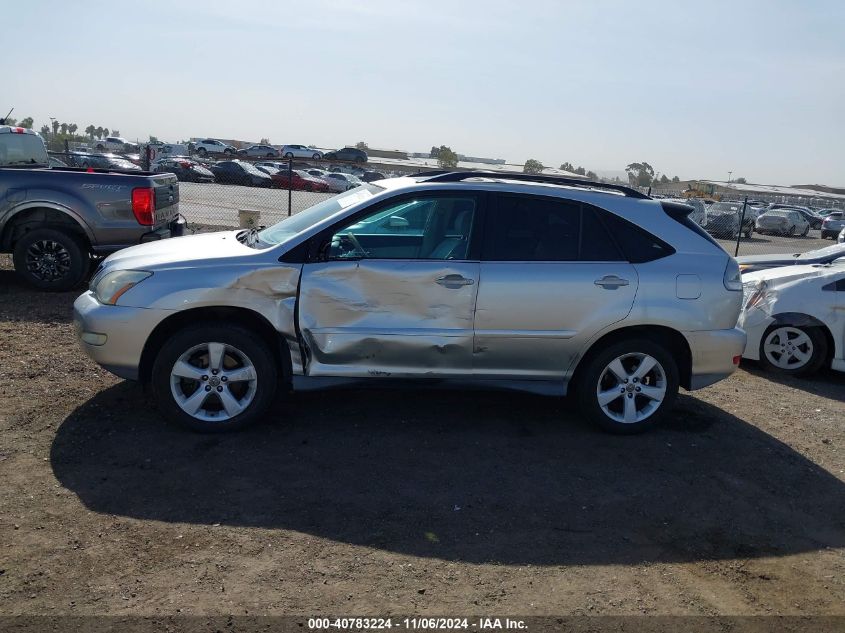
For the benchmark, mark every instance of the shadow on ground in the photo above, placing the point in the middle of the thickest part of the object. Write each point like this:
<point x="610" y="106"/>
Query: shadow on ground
<point x="473" y="477"/>
<point x="826" y="383"/>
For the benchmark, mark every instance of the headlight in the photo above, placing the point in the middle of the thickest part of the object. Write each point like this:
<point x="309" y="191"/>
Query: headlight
<point x="111" y="286"/>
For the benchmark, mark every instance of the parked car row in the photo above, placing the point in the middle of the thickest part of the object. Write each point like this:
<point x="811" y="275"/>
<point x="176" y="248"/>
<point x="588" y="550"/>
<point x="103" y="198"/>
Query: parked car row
<point x="215" y="147"/>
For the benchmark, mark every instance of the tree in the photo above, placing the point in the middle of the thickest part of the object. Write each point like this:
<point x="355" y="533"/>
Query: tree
<point x="153" y="139"/>
<point x="264" y="141"/>
<point x="567" y="166"/>
<point x="592" y="175"/>
<point x="741" y="181"/>
<point x="362" y="145"/>
<point x="533" y="166"/>
<point x="64" y="128"/>
<point x="580" y="171"/>
<point x="10" y="121"/>
<point x="675" y="179"/>
<point x="106" y="131"/>
<point x="446" y="158"/>
<point x="90" y="131"/>
<point x="72" y="128"/>
<point x="55" y="125"/>
<point x="640" y="174"/>
<point x="27" y="122"/>
<point x="435" y="152"/>
<point x="45" y="130"/>
<point x="115" y="132"/>
<point x="664" y="180"/>
<point x="99" y="131"/>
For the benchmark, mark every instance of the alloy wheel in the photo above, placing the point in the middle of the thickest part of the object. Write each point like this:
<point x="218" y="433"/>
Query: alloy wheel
<point x="788" y="347"/>
<point x="631" y="388"/>
<point x="213" y="382"/>
<point x="47" y="260"/>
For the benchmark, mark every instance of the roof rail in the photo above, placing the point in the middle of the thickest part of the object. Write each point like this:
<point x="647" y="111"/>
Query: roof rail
<point x="458" y="176"/>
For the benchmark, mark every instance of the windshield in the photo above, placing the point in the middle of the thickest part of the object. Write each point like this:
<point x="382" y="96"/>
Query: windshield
<point x="252" y="169"/>
<point x="22" y="149"/>
<point x="837" y="250"/>
<point x="296" y="224"/>
<point x="725" y="207"/>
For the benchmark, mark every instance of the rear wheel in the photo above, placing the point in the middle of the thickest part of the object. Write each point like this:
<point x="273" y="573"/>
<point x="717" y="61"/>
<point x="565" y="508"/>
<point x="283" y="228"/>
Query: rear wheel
<point x="202" y="151"/>
<point x="289" y="155"/>
<point x="316" y="157"/>
<point x="214" y="378"/>
<point x="50" y="259"/>
<point x="628" y="386"/>
<point x="789" y="349"/>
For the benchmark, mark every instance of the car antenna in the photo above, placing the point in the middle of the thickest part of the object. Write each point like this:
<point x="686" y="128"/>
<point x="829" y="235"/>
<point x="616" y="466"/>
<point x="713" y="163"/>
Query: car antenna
<point x="3" y="120"/>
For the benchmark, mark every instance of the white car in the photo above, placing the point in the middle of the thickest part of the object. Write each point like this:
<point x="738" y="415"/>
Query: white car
<point x="112" y="144"/>
<point x="213" y="146"/>
<point x="795" y="317"/>
<point x="341" y="182"/>
<point x="841" y="238"/>
<point x="300" y="151"/>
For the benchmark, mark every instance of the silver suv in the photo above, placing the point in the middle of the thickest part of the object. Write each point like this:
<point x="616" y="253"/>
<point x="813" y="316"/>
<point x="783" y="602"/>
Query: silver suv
<point x="536" y="283"/>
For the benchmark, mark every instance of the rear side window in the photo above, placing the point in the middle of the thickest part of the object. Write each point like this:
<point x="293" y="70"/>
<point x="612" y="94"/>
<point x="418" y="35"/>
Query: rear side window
<point x="637" y="244"/>
<point x="534" y="228"/>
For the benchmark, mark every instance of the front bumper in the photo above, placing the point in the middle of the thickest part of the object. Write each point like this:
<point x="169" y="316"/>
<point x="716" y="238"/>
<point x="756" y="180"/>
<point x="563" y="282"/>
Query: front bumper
<point x="713" y="355"/>
<point x="114" y="336"/>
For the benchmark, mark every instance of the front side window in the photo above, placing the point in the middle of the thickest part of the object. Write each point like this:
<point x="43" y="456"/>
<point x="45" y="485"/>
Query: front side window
<point x="426" y="227"/>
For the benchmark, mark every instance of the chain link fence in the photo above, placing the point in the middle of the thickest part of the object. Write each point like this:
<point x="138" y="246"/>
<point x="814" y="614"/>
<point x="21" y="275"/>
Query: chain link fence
<point x="231" y="191"/>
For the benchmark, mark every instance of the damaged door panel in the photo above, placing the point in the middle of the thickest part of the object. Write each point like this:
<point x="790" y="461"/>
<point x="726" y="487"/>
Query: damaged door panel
<point x="388" y="317"/>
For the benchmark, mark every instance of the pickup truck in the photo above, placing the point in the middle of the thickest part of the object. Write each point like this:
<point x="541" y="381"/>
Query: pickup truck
<point x="56" y="221"/>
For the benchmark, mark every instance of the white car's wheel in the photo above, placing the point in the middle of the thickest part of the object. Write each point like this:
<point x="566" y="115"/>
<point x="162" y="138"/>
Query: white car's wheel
<point x="794" y="350"/>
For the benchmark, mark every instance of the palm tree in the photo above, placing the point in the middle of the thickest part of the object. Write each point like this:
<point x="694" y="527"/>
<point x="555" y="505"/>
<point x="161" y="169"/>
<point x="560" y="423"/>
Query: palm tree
<point x="45" y="130"/>
<point x="90" y="130"/>
<point x="64" y="128"/>
<point x="72" y="128"/>
<point x="55" y="125"/>
<point x="99" y="131"/>
<point x="106" y="131"/>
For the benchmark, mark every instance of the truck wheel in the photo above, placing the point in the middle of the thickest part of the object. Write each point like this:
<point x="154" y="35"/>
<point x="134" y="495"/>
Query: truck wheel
<point x="51" y="260"/>
<point x="214" y="377"/>
<point x="628" y="386"/>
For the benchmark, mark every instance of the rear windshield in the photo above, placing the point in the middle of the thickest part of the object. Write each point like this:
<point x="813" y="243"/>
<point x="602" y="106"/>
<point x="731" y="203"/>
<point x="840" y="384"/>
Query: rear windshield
<point x="22" y="150"/>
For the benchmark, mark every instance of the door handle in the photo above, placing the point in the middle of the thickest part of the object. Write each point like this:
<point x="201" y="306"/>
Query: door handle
<point x="454" y="281"/>
<point x="611" y="282"/>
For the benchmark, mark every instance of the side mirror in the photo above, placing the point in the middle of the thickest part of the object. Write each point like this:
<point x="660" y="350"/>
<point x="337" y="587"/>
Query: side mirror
<point x="397" y="222"/>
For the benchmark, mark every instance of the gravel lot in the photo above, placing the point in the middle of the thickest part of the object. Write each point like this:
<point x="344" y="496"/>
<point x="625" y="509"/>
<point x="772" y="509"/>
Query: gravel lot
<point x="217" y="205"/>
<point x="377" y="502"/>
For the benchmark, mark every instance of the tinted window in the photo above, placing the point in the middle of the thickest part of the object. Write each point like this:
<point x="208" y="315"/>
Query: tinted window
<point x="527" y="228"/>
<point x="637" y="244"/>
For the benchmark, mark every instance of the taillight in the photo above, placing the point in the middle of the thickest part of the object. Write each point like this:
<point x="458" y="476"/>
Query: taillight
<point x="143" y="205"/>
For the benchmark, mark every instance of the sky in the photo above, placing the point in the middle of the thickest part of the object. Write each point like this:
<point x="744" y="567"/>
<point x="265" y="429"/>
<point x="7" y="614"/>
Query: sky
<point x="696" y="89"/>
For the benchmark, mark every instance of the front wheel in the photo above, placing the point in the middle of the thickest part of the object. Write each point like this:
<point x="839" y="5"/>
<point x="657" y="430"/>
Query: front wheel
<point x="214" y="378"/>
<point x="202" y="151"/>
<point x="52" y="260"/>
<point x="789" y="349"/>
<point x="628" y="386"/>
<point x="289" y="155"/>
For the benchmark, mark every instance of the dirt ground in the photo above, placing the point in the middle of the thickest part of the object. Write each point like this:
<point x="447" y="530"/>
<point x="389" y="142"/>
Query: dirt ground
<point x="389" y="502"/>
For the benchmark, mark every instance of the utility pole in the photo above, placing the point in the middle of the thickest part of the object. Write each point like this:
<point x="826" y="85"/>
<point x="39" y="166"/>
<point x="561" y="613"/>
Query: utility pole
<point x="729" y="177"/>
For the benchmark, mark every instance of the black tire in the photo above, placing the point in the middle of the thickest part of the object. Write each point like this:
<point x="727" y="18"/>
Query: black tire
<point x="202" y="151"/>
<point x="360" y="159"/>
<point x="228" y="151"/>
<point x="593" y="372"/>
<point x="806" y="231"/>
<point x="817" y="358"/>
<point x="68" y="262"/>
<point x="316" y="157"/>
<point x="792" y="231"/>
<point x="229" y="334"/>
<point x="289" y="155"/>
